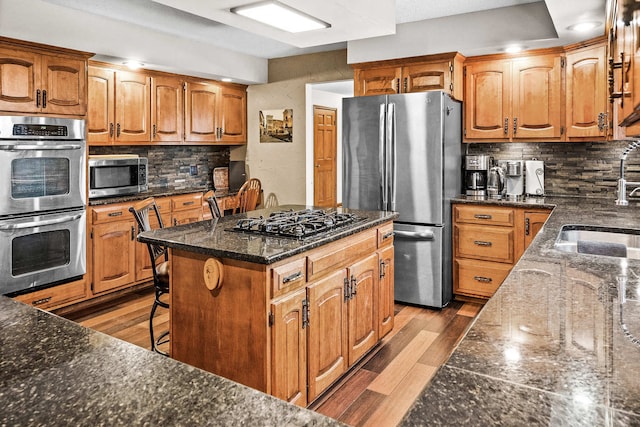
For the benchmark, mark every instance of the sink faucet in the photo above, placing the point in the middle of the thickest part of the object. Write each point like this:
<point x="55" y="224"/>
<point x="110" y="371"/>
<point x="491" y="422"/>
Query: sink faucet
<point x="622" y="183"/>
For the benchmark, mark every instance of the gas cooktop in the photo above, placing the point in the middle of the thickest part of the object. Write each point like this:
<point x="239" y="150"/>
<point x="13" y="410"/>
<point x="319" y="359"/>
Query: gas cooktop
<point x="296" y="224"/>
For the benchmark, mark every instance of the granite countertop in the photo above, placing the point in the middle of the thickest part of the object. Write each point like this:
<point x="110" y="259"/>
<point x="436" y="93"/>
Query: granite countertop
<point x="214" y="237"/>
<point x="559" y="342"/>
<point x="56" y="372"/>
<point x="158" y="192"/>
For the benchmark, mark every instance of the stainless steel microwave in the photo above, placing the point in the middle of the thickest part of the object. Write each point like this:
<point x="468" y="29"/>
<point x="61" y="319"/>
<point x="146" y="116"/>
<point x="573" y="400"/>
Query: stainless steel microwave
<point x="117" y="175"/>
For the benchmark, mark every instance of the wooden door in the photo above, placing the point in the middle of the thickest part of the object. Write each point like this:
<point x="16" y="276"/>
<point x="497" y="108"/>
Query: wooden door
<point x="289" y="349"/>
<point x="487" y="104"/>
<point x="233" y="114"/>
<point x="64" y="85"/>
<point x="133" y="107"/>
<point x="362" y="314"/>
<point x="377" y="81"/>
<point x="19" y="81"/>
<point x="327" y="332"/>
<point x="533" y="222"/>
<point x="386" y="292"/>
<point x="113" y="255"/>
<point x="425" y="77"/>
<point x="167" y="109"/>
<point x="202" y="102"/>
<point x="586" y="99"/>
<point x="537" y="97"/>
<point x="101" y="108"/>
<point x="324" y="156"/>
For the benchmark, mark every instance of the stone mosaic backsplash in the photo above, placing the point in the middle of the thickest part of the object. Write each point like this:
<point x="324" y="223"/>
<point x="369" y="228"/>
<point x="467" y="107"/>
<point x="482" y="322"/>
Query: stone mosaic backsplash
<point x="586" y="169"/>
<point x="171" y="166"/>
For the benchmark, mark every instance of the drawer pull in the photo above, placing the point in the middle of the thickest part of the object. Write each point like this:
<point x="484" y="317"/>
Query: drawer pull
<point x="119" y="213"/>
<point x="483" y="279"/>
<point x="387" y="235"/>
<point x="188" y="203"/>
<point x="482" y="216"/>
<point x="292" y="277"/>
<point x="481" y="243"/>
<point x="41" y="301"/>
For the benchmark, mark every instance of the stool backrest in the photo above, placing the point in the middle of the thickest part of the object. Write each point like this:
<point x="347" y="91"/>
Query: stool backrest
<point x="148" y="217"/>
<point x="248" y="195"/>
<point x="210" y="197"/>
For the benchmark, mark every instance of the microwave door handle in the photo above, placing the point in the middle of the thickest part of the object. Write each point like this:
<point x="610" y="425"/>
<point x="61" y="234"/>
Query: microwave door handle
<point x="35" y="147"/>
<point x="44" y="223"/>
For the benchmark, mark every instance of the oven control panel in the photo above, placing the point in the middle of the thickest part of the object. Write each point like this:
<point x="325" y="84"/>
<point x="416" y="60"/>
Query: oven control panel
<point x="39" y="130"/>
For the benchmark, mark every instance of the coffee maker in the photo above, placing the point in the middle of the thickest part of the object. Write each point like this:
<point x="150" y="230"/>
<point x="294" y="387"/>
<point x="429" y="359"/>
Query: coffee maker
<point x="476" y="171"/>
<point x="514" y="179"/>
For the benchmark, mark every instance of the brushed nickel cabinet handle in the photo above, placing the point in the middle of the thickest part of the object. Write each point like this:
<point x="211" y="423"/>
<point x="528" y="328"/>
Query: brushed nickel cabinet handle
<point x="483" y="279"/>
<point x="482" y="216"/>
<point x="481" y="243"/>
<point x="292" y="277"/>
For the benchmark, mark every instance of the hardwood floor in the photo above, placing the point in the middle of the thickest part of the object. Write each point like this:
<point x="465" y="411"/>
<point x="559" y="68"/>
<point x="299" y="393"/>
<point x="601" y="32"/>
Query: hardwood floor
<point x="378" y="392"/>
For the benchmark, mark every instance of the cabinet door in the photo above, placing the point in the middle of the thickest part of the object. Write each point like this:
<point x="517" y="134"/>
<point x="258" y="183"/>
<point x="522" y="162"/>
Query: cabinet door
<point x="167" y="109"/>
<point x="289" y="349"/>
<point x="133" y="109"/>
<point x="377" y="81"/>
<point x="363" y="316"/>
<point x="488" y="100"/>
<point x="327" y="332"/>
<point x="425" y="77"/>
<point x="533" y="222"/>
<point x="187" y="216"/>
<point x="64" y="85"/>
<point x="537" y="97"/>
<point x="233" y="115"/>
<point x="586" y="100"/>
<point x="201" y="112"/>
<point x="113" y="255"/>
<point x="19" y="80"/>
<point x="386" y="292"/>
<point x="101" y="108"/>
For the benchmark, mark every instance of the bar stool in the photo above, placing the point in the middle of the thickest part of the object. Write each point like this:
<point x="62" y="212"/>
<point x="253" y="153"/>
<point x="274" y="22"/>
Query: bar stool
<point x="210" y="197"/>
<point x="159" y="263"/>
<point x="248" y="195"/>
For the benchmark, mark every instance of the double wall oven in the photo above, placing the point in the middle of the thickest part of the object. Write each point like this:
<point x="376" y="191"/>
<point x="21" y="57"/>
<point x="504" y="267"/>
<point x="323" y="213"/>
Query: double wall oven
<point x="42" y="202"/>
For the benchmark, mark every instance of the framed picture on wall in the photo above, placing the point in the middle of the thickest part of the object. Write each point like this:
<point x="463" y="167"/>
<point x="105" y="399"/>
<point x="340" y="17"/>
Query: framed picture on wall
<point x="276" y="125"/>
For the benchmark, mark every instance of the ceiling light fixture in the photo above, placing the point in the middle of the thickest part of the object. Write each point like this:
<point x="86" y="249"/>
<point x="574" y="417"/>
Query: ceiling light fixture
<point x="227" y="79"/>
<point x="583" y="26"/>
<point x="513" y="49"/>
<point x="280" y="16"/>
<point x="133" y="65"/>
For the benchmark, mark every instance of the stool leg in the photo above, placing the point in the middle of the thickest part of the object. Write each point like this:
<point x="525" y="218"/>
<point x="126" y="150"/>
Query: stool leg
<point x="153" y="312"/>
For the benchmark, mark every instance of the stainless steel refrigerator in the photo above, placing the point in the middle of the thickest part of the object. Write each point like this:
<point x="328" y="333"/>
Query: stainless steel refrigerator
<point x="403" y="153"/>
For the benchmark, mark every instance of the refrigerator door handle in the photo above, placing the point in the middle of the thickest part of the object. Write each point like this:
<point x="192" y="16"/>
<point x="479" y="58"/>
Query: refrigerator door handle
<point x="414" y="235"/>
<point x="382" y="157"/>
<point x="391" y="155"/>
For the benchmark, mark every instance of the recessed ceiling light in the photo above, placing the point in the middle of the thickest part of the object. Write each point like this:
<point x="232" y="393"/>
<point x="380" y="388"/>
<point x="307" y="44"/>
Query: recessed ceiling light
<point x="134" y="65"/>
<point x="280" y="16"/>
<point x="513" y="48"/>
<point x="583" y="26"/>
<point x="227" y="79"/>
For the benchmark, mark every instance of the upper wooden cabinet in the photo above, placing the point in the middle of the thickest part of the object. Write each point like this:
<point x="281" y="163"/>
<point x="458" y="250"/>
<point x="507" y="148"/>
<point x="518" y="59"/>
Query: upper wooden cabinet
<point x="233" y="114"/>
<point x="167" y="113"/>
<point x="514" y="99"/>
<point x="418" y="74"/>
<point x="35" y="82"/>
<point x="587" y="107"/>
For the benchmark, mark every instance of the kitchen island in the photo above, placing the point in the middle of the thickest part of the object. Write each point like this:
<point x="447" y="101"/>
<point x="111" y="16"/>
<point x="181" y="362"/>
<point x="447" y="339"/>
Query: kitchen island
<point x="558" y="343"/>
<point x="284" y="315"/>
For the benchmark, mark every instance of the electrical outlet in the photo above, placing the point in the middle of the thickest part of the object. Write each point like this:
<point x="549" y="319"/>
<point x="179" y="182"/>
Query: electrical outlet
<point x="193" y="170"/>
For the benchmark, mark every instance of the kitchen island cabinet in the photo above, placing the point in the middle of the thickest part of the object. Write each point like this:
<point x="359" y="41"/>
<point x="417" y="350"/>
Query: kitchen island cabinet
<point x="280" y="315"/>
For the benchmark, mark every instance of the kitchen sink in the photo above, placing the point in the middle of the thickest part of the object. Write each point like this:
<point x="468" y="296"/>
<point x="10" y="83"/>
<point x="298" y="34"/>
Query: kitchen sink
<point x="597" y="240"/>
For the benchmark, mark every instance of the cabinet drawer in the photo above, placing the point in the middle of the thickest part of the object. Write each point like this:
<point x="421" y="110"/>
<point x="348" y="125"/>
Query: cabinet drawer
<point x="55" y="296"/>
<point x="112" y="212"/>
<point x="490" y="215"/>
<point x="479" y="278"/>
<point x="485" y="243"/>
<point x="164" y="205"/>
<point x="385" y="235"/>
<point x="338" y="254"/>
<point x="288" y="277"/>
<point x="186" y="201"/>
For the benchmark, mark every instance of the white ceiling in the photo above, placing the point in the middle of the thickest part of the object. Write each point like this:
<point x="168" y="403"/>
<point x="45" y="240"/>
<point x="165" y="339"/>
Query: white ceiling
<point x="203" y="38"/>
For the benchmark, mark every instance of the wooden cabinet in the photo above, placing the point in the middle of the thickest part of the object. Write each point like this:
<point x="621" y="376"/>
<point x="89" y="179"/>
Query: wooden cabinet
<point x="167" y="109"/>
<point x="487" y="241"/>
<point x="119" y="107"/>
<point x="35" y="82"/>
<point x="186" y="208"/>
<point x="113" y="234"/>
<point x="361" y="307"/>
<point x="514" y="99"/>
<point x="419" y="74"/>
<point x="586" y="102"/>
<point x="386" y="286"/>
<point x="233" y="114"/>
<point x="56" y="296"/>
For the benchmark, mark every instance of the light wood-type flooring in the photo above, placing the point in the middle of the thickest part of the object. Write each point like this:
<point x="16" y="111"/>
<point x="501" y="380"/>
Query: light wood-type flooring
<point x="377" y="392"/>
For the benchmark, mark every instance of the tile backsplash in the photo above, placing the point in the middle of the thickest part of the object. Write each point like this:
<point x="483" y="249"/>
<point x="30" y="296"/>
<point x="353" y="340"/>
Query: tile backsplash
<point x="586" y="169"/>
<point x="170" y="166"/>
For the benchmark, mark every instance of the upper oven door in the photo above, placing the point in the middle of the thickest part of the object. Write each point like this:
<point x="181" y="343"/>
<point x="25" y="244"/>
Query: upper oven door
<point x="38" y="176"/>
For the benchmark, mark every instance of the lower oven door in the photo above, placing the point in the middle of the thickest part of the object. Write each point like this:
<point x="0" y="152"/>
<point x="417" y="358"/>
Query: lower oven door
<point x="41" y="250"/>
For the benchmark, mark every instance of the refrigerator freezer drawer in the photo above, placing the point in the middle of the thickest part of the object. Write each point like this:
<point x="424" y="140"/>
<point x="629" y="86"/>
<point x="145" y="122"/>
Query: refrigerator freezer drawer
<point x="418" y="265"/>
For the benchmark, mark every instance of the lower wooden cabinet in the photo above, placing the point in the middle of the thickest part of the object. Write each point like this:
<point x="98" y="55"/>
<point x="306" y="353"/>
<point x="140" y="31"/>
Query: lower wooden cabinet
<point x="56" y="296"/>
<point x="487" y="242"/>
